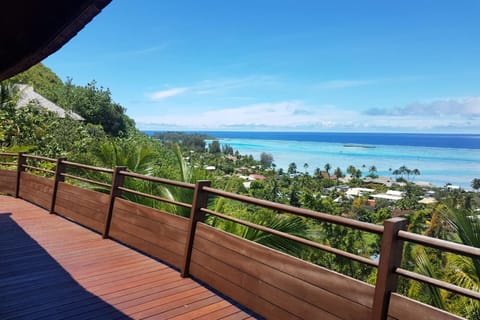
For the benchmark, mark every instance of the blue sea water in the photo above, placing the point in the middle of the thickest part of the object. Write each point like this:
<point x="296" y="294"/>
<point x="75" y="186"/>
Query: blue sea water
<point x="462" y="141"/>
<point x="441" y="158"/>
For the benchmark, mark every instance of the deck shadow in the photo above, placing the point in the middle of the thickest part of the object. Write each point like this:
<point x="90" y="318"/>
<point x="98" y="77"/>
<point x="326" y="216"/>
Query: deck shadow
<point x="34" y="286"/>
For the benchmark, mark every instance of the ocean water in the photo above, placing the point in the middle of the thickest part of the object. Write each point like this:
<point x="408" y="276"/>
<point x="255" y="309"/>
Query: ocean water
<point x="441" y="158"/>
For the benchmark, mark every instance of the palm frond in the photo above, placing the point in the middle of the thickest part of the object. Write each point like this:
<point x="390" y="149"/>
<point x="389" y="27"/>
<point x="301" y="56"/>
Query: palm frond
<point x="425" y="267"/>
<point x="467" y="226"/>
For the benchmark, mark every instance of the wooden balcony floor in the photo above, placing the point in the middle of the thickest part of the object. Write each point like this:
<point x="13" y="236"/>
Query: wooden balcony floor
<point x="51" y="268"/>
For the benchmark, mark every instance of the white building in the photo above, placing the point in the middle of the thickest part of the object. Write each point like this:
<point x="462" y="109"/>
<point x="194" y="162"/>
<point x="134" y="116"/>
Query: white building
<point x="392" y="195"/>
<point x="357" y="192"/>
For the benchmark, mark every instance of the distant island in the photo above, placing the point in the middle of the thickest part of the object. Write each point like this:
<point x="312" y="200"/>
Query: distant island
<point x="358" y="146"/>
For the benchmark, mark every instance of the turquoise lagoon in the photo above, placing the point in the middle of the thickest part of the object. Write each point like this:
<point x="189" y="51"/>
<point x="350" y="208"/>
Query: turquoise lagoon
<point x="438" y="165"/>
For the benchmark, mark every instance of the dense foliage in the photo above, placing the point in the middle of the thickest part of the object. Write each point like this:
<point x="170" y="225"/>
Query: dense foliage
<point x="194" y="142"/>
<point x="91" y="102"/>
<point x="108" y="138"/>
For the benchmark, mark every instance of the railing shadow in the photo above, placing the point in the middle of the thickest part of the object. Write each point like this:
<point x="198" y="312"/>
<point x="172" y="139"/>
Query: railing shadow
<point x="33" y="285"/>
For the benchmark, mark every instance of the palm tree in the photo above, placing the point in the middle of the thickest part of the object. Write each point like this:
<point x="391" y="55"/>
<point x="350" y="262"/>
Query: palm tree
<point x="305" y="166"/>
<point x="475" y="184"/>
<point x="466" y="270"/>
<point x="327" y="168"/>
<point x="461" y="270"/>
<point x="292" y="168"/>
<point x="415" y="173"/>
<point x="432" y="293"/>
<point x="338" y="173"/>
<point x="352" y="170"/>
<point x="401" y="171"/>
<point x="177" y="193"/>
<point x="140" y="158"/>
<point x="372" y="171"/>
<point x="396" y="173"/>
<point x="358" y="173"/>
<point x="136" y="157"/>
<point x="467" y="227"/>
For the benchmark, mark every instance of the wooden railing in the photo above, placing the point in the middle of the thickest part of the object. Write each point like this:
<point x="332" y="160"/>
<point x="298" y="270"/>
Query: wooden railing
<point x="264" y="280"/>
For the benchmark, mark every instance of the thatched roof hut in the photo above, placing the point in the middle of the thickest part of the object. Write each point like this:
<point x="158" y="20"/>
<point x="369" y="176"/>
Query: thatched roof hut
<point x="28" y="96"/>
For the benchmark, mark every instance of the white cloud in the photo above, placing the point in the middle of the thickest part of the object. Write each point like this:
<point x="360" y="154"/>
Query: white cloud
<point x="163" y="94"/>
<point x="453" y="114"/>
<point x="353" y="83"/>
<point x="216" y="86"/>
<point x="226" y="84"/>
<point x="280" y="115"/>
<point x="467" y="107"/>
<point x="342" y="84"/>
<point x="297" y="116"/>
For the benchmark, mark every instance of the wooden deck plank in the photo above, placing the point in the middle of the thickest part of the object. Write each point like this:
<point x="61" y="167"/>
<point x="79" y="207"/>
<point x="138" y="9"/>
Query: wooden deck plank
<point x="51" y="268"/>
<point x="220" y="313"/>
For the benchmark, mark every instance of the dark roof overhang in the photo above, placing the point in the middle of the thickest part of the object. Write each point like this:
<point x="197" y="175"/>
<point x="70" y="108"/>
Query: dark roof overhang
<point x="31" y="30"/>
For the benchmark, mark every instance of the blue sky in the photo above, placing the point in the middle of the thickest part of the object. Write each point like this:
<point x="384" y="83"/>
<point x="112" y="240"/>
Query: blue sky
<point x="387" y="66"/>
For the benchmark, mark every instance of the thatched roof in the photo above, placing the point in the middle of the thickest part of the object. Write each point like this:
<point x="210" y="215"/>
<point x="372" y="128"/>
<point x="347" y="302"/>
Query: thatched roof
<point x="31" y="30"/>
<point x="28" y="96"/>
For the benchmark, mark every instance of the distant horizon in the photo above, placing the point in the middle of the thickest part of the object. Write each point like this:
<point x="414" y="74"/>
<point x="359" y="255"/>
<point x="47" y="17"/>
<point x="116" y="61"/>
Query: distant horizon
<point x="311" y="131"/>
<point x="438" y="140"/>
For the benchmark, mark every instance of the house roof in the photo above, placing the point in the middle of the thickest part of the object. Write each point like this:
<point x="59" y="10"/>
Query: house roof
<point x="387" y="181"/>
<point x="387" y="196"/>
<point x="428" y="201"/>
<point x="28" y="96"/>
<point x="358" y="192"/>
<point x="31" y="30"/>
<point x="254" y="176"/>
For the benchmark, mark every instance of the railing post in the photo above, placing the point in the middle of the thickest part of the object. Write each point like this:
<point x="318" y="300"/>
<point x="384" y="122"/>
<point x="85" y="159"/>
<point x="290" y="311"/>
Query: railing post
<point x="200" y="200"/>
<point x="22" y="160"/>
<point x="117" y="181"/>
<point x="58" y="178"/>
<point x="390" y="259"/>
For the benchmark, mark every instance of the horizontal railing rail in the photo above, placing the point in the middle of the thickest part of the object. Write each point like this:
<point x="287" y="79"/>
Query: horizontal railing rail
<point x="363" y="226"/>
<point x="162" y="181"/>
<point x="158" y="180"/>
<point x="297" y="239"/>
<point x="8" y="154"/>
<point x="30" y="163"/>
<point x="393" y="232"/>
<point x="88" y="167"/>
<point x="8" y="164"/>
<point x="5" y="156"/>
<point x="32" y="156"/>
<point x="153" y="197"/>
<point x="443" y="245"/>
<point x="438" y="283"/>
<point x="86" y="180"/>
<point x="33" y="168"/>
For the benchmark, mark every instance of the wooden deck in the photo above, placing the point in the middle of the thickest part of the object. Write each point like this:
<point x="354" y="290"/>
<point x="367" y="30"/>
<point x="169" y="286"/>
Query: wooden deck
<point x="51" y="268"/>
